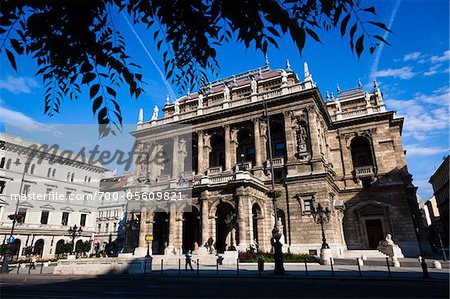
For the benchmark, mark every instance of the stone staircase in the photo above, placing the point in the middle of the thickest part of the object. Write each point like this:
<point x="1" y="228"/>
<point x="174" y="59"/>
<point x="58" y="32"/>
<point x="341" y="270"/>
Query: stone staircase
<point x="369" y="253"/>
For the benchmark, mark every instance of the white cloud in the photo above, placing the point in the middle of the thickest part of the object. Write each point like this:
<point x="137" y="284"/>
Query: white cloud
<point x="444" y="57"/>
<point x="18" y="119"/>
<point x="424" y="114"/>
<point x="420" y="150"/>
<point x="18" y="85"/>
<point x="414" y="56"/>
<point x="402" y="73"/>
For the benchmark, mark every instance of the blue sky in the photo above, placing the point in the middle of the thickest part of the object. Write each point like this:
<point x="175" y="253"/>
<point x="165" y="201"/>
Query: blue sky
<point x="413" y="74"/>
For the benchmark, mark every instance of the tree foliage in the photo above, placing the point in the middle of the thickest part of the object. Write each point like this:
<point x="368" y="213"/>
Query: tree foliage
<point x="77" y="43"/>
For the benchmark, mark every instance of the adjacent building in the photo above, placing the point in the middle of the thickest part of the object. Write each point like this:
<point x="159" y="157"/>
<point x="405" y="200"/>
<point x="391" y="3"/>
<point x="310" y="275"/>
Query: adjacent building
<point x="55" y="194"/>
<point x="439" y="181"/>
<point x="214" y="146"/>
<point x="111" y="208"/>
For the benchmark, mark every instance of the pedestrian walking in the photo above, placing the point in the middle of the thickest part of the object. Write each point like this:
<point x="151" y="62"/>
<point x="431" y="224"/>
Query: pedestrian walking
<point x="33" y="262"/>
<point x="188" y="256"/>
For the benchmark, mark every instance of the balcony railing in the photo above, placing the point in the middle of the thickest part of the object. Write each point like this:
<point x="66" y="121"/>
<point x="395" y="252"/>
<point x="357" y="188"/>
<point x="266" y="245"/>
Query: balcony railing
<point x="277" y="162"/>
<point x="214" y="170"/>
<point x="364" y="171"/>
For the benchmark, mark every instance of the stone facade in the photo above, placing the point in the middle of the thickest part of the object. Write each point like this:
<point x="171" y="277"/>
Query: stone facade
<point x="56" y="193"/>
<point x="440" y="182"/>
<point x="344" y="153"/>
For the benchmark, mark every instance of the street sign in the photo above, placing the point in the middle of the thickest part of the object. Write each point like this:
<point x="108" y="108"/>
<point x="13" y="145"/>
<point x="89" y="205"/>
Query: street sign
<point x="11" y="239"/>
<point x="148" y="238"/>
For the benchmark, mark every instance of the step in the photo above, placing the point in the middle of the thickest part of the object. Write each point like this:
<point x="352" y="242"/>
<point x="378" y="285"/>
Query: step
<point x="369" y="253"/>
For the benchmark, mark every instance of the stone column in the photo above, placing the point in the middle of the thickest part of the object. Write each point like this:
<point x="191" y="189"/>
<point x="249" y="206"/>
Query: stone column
<point x="142" y="227"/>
<point x="290" y="140"/>
<point x="175" y="157"/>
<point x="313" y="132"/>
<point x="200" y="166"/>
<point x="226" y="129"/>
<point x="263" y="140"/>
<point x="243" y="224"/>
<point x="206" y="150"/>
<point x="172" y="231"/>
<point x="205" y="208"/>
<point x="257" y="141"/>
<point x="233" y="147"/>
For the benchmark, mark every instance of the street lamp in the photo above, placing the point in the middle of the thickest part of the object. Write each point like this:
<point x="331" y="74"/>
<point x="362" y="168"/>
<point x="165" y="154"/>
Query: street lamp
<point x="321" y="216"/>
<point x="15" y="218"/>
<point x="276" y="234"/>
<point x="73" y="233"/>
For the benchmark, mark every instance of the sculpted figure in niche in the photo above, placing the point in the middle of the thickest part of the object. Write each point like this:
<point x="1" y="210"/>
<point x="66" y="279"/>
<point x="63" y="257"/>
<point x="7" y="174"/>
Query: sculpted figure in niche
<point x="143" y="158"/>
<point x="226" y="93"/>
<point x="301" y="135"/>
<point x="254" y="86"/>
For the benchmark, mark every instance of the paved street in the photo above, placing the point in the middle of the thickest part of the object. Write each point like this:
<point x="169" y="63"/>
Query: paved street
<point x="131" y="286"/>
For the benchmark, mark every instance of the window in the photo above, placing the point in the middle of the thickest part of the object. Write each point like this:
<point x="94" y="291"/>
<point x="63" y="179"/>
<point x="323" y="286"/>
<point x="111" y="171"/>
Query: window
<point x="71" y="178"/>
<point x="27" y="167"/>
<point x="8" y="164"/>
<point x="54" y="172"/>
<point x="280" y="149"/>
<point x="308" y="205"/>
<point x="99" y="228"/>
<point x="48" y="193"/>
<point x="83" y="220"/>
<point x="115" y="227"/>
<point x="44" y="217"/>
<point x="2" y="186"/>
<point x="106" y="227"/>
<point x="68" y="176"/>
<point x="68" y="193"/>
<point x="23" y="213"/>
<point x="49" y="172"/>
<point x="2" y="162"/>
<point x="32" y="169"/>
<point x="26" y="189"/>
<point x="65" y="218"/>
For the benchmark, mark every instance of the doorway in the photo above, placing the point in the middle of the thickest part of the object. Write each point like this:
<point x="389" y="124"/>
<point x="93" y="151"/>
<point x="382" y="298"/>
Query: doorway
<point x="375" y="232"/>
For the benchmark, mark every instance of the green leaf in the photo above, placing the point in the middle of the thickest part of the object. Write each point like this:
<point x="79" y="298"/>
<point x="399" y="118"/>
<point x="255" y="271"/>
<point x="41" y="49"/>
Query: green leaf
<point x="344" y="24"/>
<point x="94" y="90"/>
<point x="87" y="77"/>
<point x="11" y="59"/>
<point x="381" y="39"/>
<point x="17" y="46"/>
<point x="313" y="35"/>
<point x="360" y="45"/>
<point x="381" y="25"/>
<point x="111" y="91"/>
<point x="370" y="9"/>
<point x="97" y="103"/>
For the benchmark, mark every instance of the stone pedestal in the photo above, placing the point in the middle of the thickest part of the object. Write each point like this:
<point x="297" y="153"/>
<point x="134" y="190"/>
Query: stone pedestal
<point x="388" y="247"/>
<point x="170" y="250"/>
<point x="437" y="265"/>
<point x="203" y="251"/>
<point x="326" y="257"/>
<point x="141" y="251"/>
<point x="71" y="257"/>
<point x="395" y="262"/>
<point x="230" y="257"/>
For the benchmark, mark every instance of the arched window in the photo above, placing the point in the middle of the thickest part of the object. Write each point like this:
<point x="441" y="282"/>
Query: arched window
<point x="361" y="152"/>
<point x="32" y="169"/>
<point x="246" y="146"/>
<point x="49" y="172"/>
<point x="8" y="164"/>
<point x="54" y="172"/>
<point x="68" y="176"/>
<point x="217" y="155"/>
<point x="2" y="162"/>
<point x="72" y="177"/>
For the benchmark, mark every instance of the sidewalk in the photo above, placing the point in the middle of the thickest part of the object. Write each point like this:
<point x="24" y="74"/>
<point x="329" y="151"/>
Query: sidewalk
<point x="293" y="270"/>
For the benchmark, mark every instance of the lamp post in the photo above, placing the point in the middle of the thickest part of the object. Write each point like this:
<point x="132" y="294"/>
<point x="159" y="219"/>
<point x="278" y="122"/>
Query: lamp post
<point x="321" y="216"/>
<point x="15" y="218"/>
<point x="423" y="264"/>
<point x="276" y="235"/>
<point x="73" y="233"/>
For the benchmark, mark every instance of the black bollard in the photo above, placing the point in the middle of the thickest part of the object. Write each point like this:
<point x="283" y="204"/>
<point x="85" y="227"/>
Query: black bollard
<point x="359" y="267"/>
<point x="306" y="268"/>
<point x="42" y="267"/>
<point x="179" y="266"/>
<point x="198" y="267"/>
<point x="162" y="266"/>
<point x="389" y="267"/>
<point x="237" y="266"/>
<point x="217" y="266"/>
<point x="332" y="268"/>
